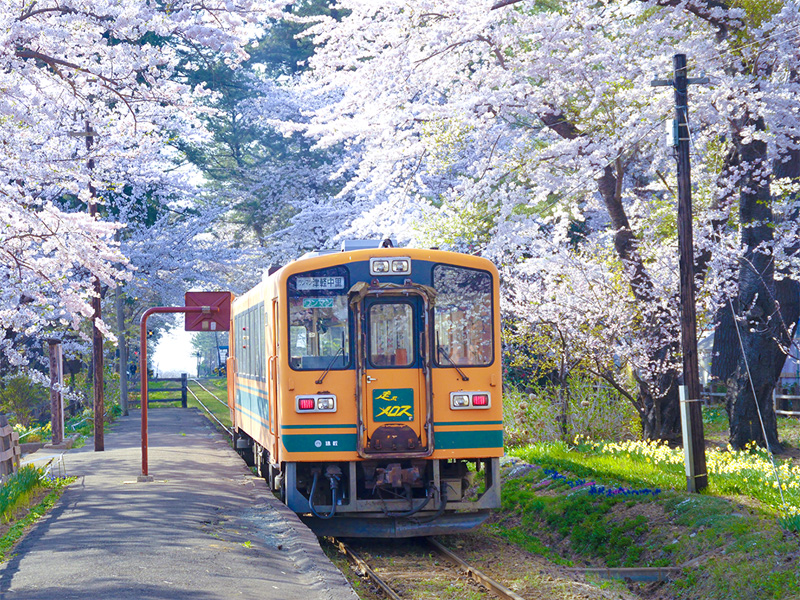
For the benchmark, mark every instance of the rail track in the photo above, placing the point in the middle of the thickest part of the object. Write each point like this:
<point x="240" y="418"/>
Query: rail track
<point x="210" y="414"/>
<point x="422" y="568"/>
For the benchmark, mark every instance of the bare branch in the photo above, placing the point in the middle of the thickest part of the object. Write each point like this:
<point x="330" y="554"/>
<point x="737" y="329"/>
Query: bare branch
<point x="51" y="61"/>
<point x="708" y="10"/>
<point x="61" y="10"/>
<point x="497" y="52"/>
<point x="503" y="3"/>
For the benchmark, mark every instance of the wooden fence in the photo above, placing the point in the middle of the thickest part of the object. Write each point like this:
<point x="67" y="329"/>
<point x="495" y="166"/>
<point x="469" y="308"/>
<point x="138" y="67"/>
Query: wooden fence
<point x="786" y="404"/>
<point x="9" y="448"/>
<point x="183" y="380"/>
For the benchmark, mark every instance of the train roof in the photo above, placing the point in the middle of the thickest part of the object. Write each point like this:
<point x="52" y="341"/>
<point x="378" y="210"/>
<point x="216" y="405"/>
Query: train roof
<point x="356" y="250"/>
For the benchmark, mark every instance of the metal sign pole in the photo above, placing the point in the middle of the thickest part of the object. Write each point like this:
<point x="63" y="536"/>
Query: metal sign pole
<point x="214" y="314"/>
<point x="143" y="368"/>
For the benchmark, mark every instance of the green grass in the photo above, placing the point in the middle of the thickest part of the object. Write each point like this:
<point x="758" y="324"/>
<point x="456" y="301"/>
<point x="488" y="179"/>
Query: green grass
<point x="216" y="385"/>
<point x="734" y="474"/>
<point x="17" y="490"/>
<point x="743" y="536"/>
<point x="743" y="553"/>
<point x="34" y="514"/>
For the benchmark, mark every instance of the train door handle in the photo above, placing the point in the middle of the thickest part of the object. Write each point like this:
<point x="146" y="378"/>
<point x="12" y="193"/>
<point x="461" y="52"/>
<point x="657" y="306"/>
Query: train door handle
<point x="371" y="379"/>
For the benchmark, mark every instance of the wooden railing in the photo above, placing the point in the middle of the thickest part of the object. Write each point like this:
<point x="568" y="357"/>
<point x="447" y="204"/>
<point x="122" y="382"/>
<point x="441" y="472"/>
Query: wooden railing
<point x="9" y="448"/>
<point x="786" y="404"/>
<point x="183" y="380"/>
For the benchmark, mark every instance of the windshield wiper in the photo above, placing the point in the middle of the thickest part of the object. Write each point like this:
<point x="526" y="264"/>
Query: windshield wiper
<point x="330" y="364"/>
<point x="455" y="366"/>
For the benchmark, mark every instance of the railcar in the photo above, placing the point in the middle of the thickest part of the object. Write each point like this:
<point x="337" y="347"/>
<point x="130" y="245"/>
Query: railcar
<point x="365" y="386"/>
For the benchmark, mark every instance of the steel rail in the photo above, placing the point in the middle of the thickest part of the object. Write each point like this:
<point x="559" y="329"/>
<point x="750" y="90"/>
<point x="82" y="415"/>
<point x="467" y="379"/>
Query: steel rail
<point x="473" y="573"/>
<point x="348" y="552"/>
<point x="212" y="415"/>
<point x="209" y="392"/>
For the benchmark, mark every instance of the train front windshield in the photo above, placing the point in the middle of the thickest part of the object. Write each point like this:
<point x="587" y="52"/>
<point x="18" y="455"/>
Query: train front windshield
<point x="319" y="332"/>
<point x="319" y="327"/>
<point x="463" y="316"/>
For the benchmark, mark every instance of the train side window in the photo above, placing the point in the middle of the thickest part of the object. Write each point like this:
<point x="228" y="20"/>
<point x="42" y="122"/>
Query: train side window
<point x="259" y="354"/>
<point x="463" y="316"/>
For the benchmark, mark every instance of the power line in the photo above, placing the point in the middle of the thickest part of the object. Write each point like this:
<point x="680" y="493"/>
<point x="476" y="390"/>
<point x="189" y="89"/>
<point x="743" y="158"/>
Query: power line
<point x="730" y="52"/>
<point x="758" y="409"/>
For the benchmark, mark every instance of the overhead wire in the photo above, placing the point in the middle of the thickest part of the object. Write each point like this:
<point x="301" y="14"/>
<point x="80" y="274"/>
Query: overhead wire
<point x="758" y="411"/>
<point x="695" y="62"/>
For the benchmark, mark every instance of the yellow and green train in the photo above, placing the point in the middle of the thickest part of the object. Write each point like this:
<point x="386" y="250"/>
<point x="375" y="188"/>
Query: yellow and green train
<point x="365" y="386"/>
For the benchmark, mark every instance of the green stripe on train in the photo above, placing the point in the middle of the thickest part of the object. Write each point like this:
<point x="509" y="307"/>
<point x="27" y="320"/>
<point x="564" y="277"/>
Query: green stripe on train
<point x="451" y="440"/>
<point x="323" y="442"/>
<point x="346" y="442"/>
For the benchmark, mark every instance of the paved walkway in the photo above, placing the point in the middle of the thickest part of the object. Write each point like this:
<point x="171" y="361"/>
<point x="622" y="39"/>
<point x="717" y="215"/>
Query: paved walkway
<point x="206" y="528"/>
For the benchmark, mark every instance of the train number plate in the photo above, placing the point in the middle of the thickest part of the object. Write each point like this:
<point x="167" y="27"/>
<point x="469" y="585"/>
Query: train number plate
<point x="393" y="405"/>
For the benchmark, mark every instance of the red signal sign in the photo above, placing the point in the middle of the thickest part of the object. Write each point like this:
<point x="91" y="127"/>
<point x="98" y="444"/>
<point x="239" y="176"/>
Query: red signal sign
<point x="216" y="313"/>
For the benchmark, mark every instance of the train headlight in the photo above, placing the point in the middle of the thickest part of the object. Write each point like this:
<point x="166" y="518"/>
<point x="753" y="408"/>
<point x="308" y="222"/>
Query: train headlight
<point x="400" y="266"/>
<point x="390" y="266"/>
<point x="380" y="266"/>
<point x="325" y="403"/>
<point x="316" y="403"/>
<point x="459" y="400"/>
<point x="469" y="400"/>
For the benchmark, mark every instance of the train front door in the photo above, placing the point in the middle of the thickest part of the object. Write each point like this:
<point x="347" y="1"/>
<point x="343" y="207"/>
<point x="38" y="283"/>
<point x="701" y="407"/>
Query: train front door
<point x="394" y="376"/>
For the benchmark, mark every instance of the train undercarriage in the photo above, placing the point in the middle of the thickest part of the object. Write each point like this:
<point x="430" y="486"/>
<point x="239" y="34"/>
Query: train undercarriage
<point x="383" y="498"/>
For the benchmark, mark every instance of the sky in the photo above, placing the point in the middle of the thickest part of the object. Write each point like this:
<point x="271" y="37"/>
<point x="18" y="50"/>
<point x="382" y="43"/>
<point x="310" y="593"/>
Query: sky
<point x="173" y="355"/>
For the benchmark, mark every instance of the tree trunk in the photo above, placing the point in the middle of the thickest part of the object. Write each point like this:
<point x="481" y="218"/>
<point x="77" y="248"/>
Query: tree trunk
<point x="766" y="312"/>
<point x="661" y="418"/>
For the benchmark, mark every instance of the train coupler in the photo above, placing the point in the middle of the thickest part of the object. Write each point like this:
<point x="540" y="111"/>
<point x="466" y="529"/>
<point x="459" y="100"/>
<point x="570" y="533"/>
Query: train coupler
<point x="395" y="476"/>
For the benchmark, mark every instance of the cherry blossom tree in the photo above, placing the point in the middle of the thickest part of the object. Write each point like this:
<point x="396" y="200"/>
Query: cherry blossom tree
<point x="534" y="123"/>
<point x="280" y="190"/>
<point x="89" y="106"/>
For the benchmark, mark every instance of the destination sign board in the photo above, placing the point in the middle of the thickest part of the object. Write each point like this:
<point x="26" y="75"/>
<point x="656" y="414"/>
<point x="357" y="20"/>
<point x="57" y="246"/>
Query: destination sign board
<point x="320" y="283"/>
<point x="318" y="302"/>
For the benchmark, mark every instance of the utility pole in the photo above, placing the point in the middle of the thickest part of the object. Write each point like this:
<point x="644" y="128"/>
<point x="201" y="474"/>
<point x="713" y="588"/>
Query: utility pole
<point x="97" y="336"/>
<point x="691" y="404"/>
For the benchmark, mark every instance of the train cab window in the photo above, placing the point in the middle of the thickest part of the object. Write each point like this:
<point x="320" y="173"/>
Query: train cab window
<point x="391" y="338"/>
<point x="319" y="327"/>
<point x="463" y="316"/>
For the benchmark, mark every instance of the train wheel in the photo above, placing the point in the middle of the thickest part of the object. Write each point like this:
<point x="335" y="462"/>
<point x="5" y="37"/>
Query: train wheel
<point x="244" y="447"/>
<point x="261" y="457"/>
<point x="280" y="487"/>
<point x="274" y="472"/>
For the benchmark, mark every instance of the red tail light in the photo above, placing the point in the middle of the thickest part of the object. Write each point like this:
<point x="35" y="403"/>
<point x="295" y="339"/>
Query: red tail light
<point x="480" y="400"/>
<point x="305" y="403"/>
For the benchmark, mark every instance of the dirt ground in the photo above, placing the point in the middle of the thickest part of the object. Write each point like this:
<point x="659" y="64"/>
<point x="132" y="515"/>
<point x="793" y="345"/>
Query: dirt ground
<point x="530" y="576"/>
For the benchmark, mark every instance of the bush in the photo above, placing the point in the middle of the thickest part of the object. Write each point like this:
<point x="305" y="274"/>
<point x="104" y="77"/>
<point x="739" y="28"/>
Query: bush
<point x="591" y="411"/>
<point x="21" y="397"/>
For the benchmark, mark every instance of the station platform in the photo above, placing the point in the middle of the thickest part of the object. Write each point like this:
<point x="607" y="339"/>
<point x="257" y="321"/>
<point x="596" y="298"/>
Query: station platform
<point x="205" y="528"/>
